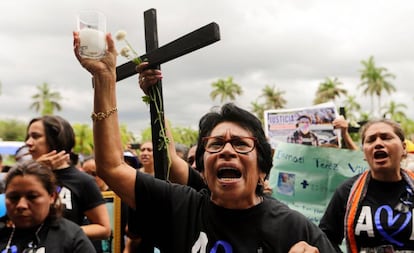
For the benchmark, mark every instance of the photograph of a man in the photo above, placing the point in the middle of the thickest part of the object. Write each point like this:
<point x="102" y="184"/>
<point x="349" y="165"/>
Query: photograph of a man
<point x="303" y="134"/>
<point x="286" y="184"/>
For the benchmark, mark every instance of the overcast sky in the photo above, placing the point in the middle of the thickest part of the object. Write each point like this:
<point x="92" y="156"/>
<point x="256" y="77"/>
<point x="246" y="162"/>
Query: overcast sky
<point x="291" y="44"/>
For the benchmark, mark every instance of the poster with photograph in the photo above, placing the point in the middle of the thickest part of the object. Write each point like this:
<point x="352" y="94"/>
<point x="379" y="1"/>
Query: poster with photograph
<point x="308" y="126"/>
<point x="305" y="177"/>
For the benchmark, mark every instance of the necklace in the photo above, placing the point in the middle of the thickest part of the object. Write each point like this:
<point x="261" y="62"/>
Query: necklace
<point x="10" y="239"/>
<point x="12" y="235"/>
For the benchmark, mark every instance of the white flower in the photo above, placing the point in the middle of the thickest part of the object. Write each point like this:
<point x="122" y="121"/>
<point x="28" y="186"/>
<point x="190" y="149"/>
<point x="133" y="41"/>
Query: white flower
<point x="128" y="51"/>
<point x="125" y="52"/>
<point x="120" y="35"/>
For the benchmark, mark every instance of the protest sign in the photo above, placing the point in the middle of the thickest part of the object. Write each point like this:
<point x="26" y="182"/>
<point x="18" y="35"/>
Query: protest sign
<point x="309" y="126"/>
<point x="305" y="177"/>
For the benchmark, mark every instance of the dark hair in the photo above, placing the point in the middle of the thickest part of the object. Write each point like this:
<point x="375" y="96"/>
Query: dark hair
<point x="395" y="126"/>
<point x="305" y="117"/>
<point x="22" y="154"/>
<point x="190" y="147"/>
<point x="59" y="134"/>
<point x="44" y="175"/>
<point x="231" y="113"/>
<point x="182" y="148"/>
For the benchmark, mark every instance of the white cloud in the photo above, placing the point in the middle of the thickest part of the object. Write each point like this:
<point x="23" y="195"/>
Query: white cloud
<point x="293" y="45"/>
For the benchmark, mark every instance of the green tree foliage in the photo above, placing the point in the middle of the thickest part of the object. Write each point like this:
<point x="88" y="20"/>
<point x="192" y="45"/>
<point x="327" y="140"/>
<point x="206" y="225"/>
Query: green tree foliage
<point x="46" y="101"/>
<point x="352" y="108"/>
<point x="329" y="90"/>
<point x="183" y="135"/>
<point x="374" y="80"/>
<point x="84" y="139"/>
<point x="394" y="111"/>
<point x="226" y="90"/>
<point x="146" y="134"/>
<point x="273" y="99"/>
<point x="258" y="109"/>
<point x="126" y="135"/>
<point x="408" y="127"/>
<point x="12" y="130"/>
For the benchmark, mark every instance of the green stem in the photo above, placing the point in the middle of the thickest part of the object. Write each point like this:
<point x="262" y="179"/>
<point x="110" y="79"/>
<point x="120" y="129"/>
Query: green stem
<point x="136" y="60"/>
<point x="155" y="95"/>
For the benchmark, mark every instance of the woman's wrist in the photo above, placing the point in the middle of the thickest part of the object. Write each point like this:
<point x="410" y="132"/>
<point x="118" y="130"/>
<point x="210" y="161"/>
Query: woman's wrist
<point x="103" y="78"/>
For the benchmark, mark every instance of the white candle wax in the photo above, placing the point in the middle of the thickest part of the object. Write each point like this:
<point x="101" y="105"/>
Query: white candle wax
<point x="92" y="43"/>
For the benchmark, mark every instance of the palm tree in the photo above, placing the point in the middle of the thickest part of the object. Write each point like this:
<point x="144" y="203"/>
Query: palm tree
<point x="46" y="101"/>
<point x="394" y="112"/>
<point x="351" y="107"/>
<point x="273" y="97"/>
<point x="329" y="90"/>
<point x="258" y="109"/>
<point x="374" y="81"/>
<point x="408" y="127"/>
<point x="273" y="100"/>
<point x="226" y="89"/>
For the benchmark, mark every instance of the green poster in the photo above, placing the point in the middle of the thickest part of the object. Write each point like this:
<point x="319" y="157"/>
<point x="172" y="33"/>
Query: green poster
<point x="305" y="177"/>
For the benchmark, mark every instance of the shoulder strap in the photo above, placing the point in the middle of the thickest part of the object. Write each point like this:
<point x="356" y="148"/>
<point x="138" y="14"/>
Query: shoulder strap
<point x="356" y="195"/>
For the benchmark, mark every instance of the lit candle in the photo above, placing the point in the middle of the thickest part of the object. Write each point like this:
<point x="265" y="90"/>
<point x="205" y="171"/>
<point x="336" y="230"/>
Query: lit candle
<point x="92" y="43"/>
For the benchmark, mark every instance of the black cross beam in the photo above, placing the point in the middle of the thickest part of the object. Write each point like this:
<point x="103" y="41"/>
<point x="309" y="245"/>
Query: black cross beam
<point x="155" y="56"/>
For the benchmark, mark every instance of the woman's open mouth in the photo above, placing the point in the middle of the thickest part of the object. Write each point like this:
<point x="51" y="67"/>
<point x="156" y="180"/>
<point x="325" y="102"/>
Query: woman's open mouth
<point x="228" y="172"/>
<point x="380" y="154"/>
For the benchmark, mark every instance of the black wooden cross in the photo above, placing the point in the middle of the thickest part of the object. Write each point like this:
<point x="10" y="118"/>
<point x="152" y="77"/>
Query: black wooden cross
<point x="155" y="56"/>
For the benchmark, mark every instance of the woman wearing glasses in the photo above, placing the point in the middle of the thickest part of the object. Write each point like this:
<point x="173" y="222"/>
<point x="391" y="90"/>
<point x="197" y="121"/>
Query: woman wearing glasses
<point x="232" y="152"/>
<point x="33" y="222"/>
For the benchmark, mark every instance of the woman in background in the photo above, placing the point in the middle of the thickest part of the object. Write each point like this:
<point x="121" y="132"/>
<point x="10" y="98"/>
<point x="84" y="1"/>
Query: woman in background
<point x="33" y="220"/>
<point x="50" y="140"/>
<point x="374" y="211"/>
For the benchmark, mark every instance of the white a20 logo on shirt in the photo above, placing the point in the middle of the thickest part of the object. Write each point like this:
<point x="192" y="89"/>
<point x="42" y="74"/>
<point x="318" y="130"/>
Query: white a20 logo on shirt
<point x="66" y="197"/>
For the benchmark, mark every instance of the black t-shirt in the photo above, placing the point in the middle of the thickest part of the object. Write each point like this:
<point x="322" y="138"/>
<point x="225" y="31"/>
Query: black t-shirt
<point x="178" y="218"/>
<point x="146" y="246"/>
<point x="195" y="180"/>
<point x="376" y="221"/>
<point x="78" y="192"/>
